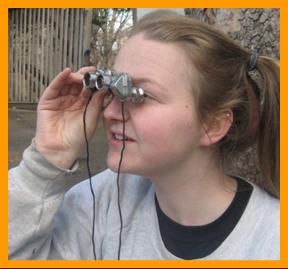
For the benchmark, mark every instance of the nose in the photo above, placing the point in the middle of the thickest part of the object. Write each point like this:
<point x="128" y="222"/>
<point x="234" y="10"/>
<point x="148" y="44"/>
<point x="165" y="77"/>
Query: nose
<point x="114" y="111"/>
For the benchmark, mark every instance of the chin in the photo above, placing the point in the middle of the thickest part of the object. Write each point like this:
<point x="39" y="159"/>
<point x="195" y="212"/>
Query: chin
<point x="128" y="166"/>
<point x="114" y="165"/>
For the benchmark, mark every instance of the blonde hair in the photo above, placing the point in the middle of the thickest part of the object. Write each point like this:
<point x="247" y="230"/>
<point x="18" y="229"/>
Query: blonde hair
<point x="224" y="83"/>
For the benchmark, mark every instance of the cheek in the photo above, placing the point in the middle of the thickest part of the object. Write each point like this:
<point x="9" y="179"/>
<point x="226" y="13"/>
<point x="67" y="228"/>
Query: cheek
<point x="153" y="129"/>
<point x="174" y="129"/>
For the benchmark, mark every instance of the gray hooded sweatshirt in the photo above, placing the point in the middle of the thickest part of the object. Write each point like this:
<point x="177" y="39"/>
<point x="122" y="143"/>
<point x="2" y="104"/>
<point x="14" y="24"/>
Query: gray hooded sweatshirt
<point x="50" y="217"/>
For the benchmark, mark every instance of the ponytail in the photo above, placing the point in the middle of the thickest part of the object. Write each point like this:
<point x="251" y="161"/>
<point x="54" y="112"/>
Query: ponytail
<point x="269" y="129"/>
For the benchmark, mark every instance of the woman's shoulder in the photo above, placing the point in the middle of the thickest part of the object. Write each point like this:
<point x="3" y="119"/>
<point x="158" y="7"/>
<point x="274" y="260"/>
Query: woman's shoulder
<point x="264" y="200"/>
<point x="257" y="234"/>
<point x="260" y="199"/>
<point x="263" y="210"/>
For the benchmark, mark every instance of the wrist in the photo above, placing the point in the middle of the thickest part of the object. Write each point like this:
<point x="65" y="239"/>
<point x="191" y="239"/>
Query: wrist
<point x="60" y="158"/>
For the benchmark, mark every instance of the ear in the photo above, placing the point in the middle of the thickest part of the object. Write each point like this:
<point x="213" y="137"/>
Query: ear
<point x="217" y="127"/>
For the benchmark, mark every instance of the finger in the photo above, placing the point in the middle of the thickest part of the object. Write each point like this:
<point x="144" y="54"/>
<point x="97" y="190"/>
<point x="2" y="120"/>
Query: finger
<point x="64" y="91"/>
<point x="53" y="90"/>
<point x="71" y="89"/>
<point x="75" y="78"/>
<point x="86" y="69"/>
<point x="74" y="85"/>
<point x="75" y="90"/>
<point x="86" y="93"/>
<point x="95" y="107"/>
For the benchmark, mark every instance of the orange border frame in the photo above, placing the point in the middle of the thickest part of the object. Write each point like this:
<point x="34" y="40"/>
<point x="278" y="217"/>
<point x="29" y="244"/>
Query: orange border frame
<point x="4" y="262"/>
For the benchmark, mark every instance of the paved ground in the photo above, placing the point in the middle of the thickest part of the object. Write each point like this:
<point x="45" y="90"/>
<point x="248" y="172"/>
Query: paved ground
<point x="22" y="124"/>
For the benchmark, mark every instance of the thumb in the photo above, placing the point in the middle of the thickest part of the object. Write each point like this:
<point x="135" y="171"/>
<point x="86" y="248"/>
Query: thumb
<point x="94" y="108"/>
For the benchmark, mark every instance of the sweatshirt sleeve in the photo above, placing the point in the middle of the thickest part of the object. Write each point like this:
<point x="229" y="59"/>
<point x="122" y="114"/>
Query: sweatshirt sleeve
<point x="36" y="190"/>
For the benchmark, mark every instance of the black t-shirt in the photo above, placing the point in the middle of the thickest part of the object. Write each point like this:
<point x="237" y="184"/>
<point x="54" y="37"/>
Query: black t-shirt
<point x="194" y="242"/>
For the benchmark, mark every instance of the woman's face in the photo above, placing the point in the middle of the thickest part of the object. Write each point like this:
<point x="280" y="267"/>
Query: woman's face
<point x="163" y="132"/>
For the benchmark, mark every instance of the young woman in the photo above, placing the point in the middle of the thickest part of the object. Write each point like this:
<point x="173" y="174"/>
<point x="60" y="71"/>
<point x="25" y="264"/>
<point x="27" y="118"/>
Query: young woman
<point x="206" y="99"/>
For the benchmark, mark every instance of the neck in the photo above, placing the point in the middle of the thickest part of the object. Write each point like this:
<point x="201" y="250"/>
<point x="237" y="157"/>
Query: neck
<point x="196" y="195"/>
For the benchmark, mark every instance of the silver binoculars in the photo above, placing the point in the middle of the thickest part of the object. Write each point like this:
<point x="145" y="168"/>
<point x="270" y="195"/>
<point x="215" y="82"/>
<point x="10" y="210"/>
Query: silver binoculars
<point x="119" y="84"/>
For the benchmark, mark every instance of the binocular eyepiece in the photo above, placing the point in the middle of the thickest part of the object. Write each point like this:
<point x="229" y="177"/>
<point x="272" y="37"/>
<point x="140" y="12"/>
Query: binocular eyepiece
<point x="119" y="84"/>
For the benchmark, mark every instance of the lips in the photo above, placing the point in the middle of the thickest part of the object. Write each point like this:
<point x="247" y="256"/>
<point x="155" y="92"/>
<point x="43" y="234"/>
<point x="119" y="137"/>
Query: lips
<point x="118" y="136"/>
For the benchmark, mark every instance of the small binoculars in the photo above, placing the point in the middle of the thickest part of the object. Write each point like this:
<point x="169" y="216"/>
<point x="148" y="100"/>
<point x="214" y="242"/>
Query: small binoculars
<point x="119" y="84"/>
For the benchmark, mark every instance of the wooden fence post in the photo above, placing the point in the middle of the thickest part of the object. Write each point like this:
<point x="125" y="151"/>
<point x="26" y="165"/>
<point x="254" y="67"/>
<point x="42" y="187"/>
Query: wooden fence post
<point x="87" y="32"/>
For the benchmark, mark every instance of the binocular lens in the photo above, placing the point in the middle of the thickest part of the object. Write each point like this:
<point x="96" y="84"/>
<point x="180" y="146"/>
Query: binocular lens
<point x="99" y="82"/>
<point x="87" y="79"/>
<point x="93" y="81"/>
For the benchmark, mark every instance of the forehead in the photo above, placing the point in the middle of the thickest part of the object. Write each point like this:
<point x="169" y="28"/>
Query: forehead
<point x="143" y="58"/>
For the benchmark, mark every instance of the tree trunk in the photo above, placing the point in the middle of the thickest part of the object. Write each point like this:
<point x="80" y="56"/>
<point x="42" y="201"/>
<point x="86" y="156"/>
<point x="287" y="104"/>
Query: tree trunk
<point x="250" y="27"/>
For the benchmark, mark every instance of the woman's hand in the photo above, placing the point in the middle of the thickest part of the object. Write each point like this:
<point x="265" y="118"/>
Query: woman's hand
<point x="59" y="133"/>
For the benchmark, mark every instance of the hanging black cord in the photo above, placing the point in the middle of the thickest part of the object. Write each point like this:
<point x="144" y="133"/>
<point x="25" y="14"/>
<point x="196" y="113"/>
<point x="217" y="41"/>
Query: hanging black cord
<point x="118" y="177"/>
<point x="89" y="174"/>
